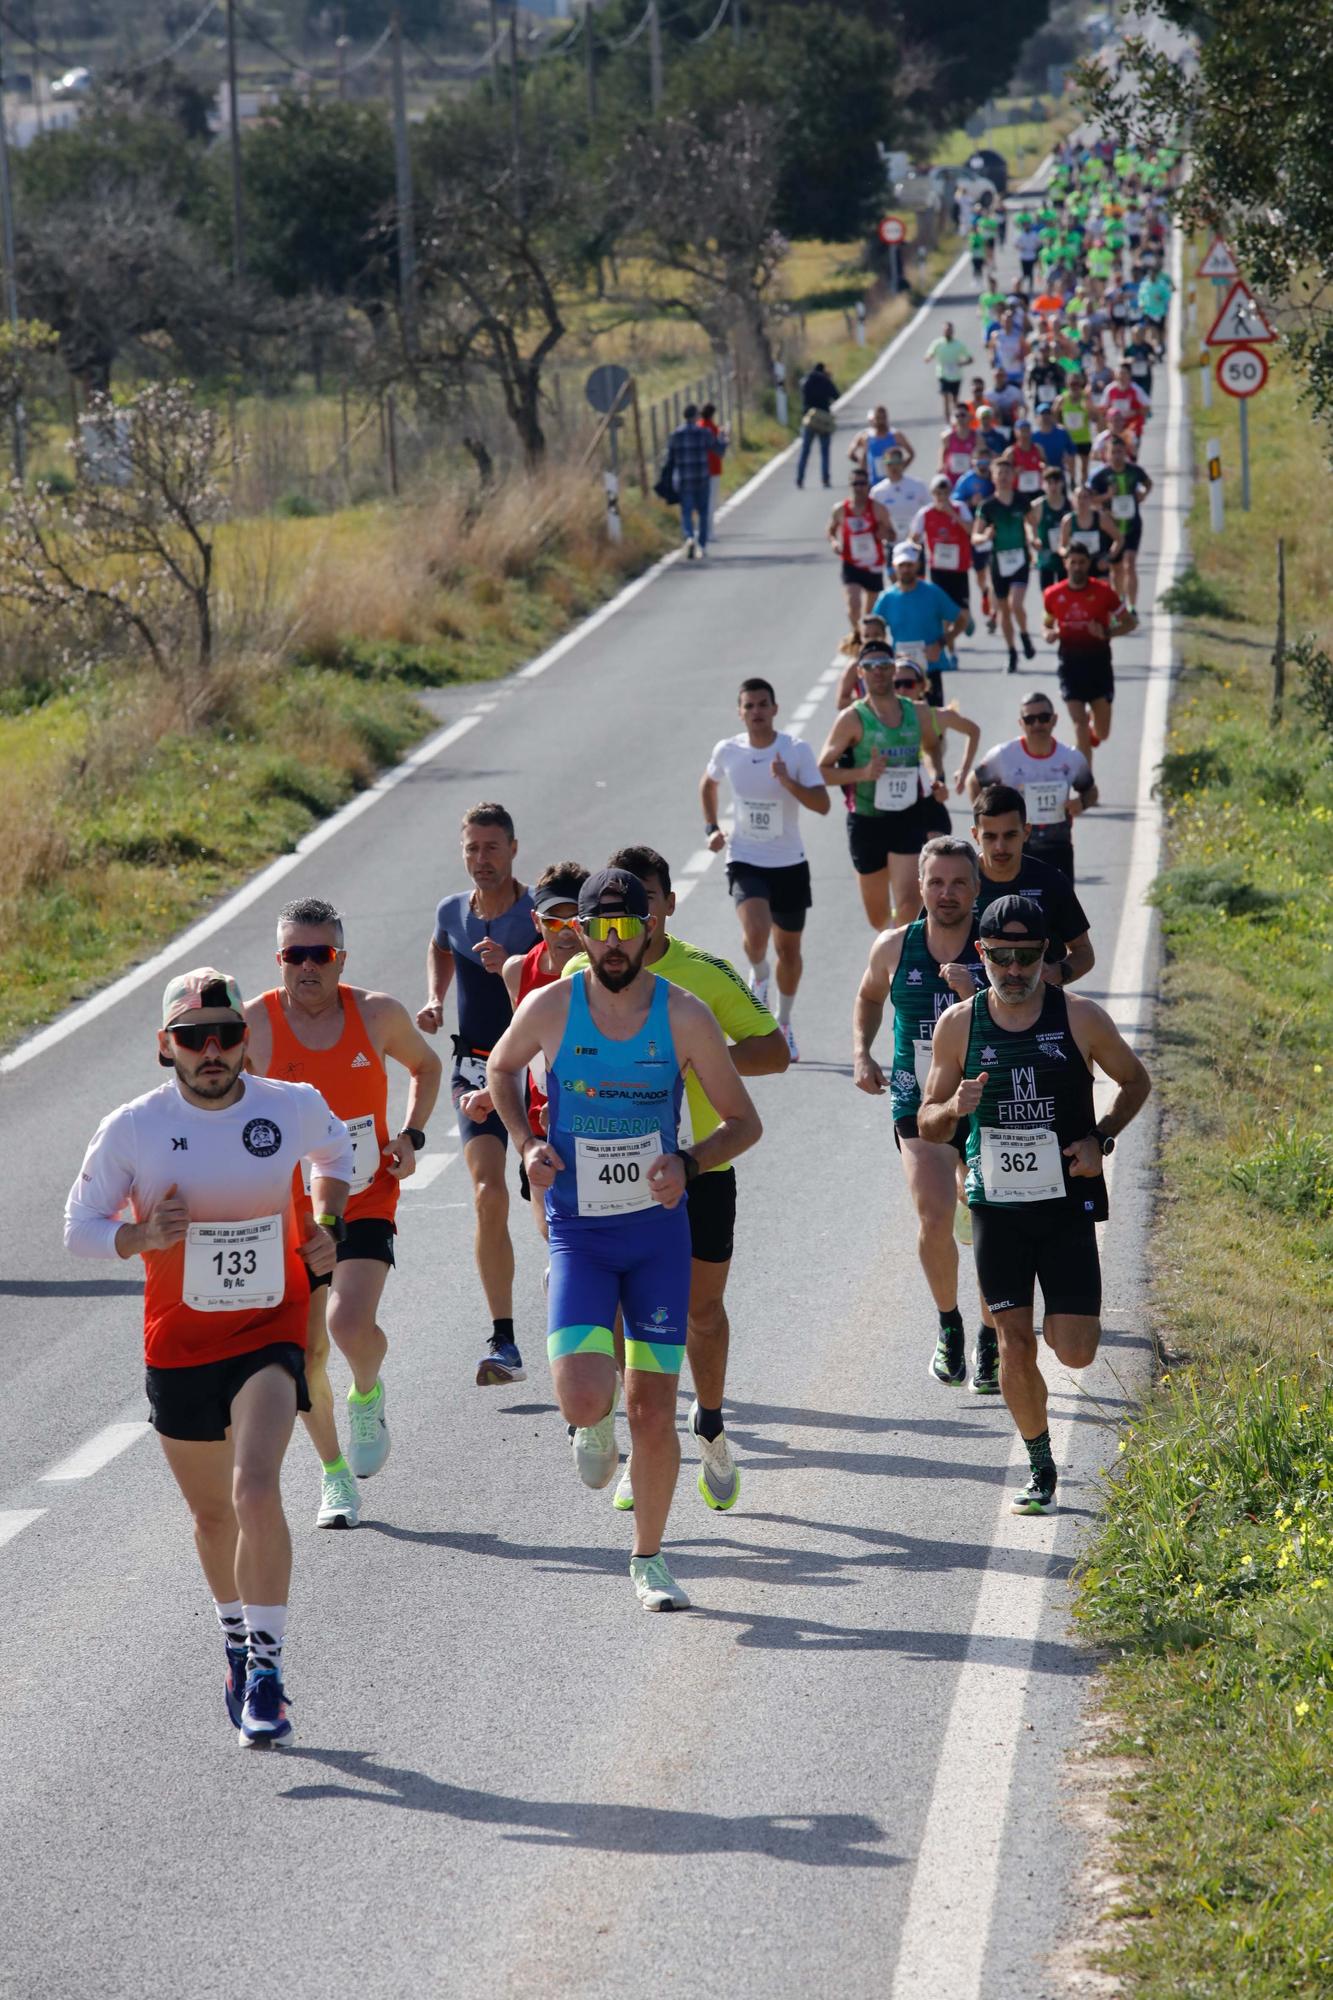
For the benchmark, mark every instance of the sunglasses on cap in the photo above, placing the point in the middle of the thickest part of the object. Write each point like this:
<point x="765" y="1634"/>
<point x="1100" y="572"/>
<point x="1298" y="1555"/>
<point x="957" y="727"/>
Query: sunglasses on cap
<point x="196" y="1035"/>
<point x="308" y="954"/>
<point x="1025" y="955"/>
<point x="621" y="926"/>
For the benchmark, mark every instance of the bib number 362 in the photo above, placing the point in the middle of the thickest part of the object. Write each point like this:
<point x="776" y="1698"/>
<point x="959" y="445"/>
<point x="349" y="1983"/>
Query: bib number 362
<point x="612" y="1174"/>
<point x="1021" y="1166"/>
<point x="234" y="1266"/>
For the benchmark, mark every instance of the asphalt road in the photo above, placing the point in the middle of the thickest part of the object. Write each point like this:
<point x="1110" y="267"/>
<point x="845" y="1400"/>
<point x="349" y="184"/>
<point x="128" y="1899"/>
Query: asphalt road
<point x="840" y="1772"/>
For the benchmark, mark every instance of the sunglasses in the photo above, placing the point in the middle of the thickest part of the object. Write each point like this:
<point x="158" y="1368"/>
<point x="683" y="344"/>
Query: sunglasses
<point x="308" y="954"/>
<point x="196" y="1035"/>
<point x="904" y="683"/>
<point x="1014" y="954"/>
<point x="1043" y="716"/>
<point x="622" y="927"/>
<point x="556" y="923"/>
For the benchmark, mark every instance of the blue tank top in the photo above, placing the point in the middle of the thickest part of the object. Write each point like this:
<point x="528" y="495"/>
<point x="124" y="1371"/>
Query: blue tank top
<point x="613" y="1107"/>
<point x="877" y="449"/>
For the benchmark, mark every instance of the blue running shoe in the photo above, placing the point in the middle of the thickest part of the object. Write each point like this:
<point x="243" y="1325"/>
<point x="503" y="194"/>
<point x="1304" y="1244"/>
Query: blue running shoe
<point x="264" y="1717"/>
<point x="238" y="1661"/>
<point x="501" y="1362"/>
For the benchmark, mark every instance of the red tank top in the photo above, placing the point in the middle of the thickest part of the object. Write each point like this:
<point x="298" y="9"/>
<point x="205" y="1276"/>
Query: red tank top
<point x="861" y="545"/>
<point x="530" y="977"/>
<point x="353" y="1083"/>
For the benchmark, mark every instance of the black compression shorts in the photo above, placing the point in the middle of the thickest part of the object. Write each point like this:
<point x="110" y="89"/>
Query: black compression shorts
<point x="1021" y="1247"/>
<point x="711" y="1200"/>
<point x="369" y="1237"/>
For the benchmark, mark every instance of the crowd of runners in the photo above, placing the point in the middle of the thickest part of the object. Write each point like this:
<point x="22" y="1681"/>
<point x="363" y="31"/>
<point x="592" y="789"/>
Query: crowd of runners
<point x="259" y="1182"/>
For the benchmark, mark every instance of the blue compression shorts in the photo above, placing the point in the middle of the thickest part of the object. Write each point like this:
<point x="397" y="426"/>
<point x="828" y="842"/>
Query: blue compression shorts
<point x="640" y="1263"/>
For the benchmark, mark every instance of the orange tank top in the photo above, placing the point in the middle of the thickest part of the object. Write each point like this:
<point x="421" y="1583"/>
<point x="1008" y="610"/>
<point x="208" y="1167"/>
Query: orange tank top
<point x="351" y="1079"/>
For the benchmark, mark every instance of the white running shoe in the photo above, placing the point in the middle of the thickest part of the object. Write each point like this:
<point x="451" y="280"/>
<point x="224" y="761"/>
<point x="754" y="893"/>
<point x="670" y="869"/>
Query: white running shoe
<point x="596" y="1453"/>
<point x="656" y="1588"/>
<point x="719" y="1478"/>
<point x="623" y="1497"/>
<point x="759" y="988"/>
<point x="339" y="1502"/>
<point x="790" y="1039"/>
<point x="367" y="1434"/>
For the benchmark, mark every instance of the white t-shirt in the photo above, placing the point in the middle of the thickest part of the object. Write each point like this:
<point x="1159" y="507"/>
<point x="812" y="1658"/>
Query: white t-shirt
<point x="1045" y="782"/>
<point x="767" y="831"/>
<point x="900" y="502"/>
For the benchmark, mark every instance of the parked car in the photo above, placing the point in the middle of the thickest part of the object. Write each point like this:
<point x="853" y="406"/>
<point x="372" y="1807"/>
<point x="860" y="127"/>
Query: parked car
<point x="74" y="83"/>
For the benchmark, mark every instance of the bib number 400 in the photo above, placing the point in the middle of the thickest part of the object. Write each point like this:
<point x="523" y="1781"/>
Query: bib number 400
<point x="619" y="1173"/>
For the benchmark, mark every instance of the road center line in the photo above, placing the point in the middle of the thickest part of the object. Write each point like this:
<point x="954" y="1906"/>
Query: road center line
<point x="15" y="1519"/>
<point x="100" y="1449"/>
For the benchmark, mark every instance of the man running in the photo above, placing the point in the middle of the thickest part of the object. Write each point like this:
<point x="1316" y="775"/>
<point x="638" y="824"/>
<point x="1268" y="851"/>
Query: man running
<point x="1083" y="615"/>
<point x="474" y="934"/>
<point x="206" y="1163"/>
<point x="1056" y="783"/>
<point x="1016" y="1063"/>
<point x="772" y="775"/>
<point x="898" y="493"/>
<point x="616" y="1041"/>
<point x="313" y="1029"/>
<point x="1000" y="528"/>
<point x="871" y="446"/>
<point x="923" y="618"/>
<point x="950" y="356"/>
<point x="920" y="969"/>
<point x="859" y="532"/>
<point x="1121" y="485"/>
<point x="1001" y="832"/>
<point x="555" y="905"/>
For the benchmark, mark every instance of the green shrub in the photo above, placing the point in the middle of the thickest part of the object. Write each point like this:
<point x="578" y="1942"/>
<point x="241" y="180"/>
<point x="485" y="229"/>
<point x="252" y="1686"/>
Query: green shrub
<point x="1192" y="596"/>
<point x="297" y="507"/>
<point x="1291" y="1174"/>
<point x="1223" y="889"/>
<point x="1315" y="693"/>
<point x="306" y="785"/>
<point x="1182" y="771"/>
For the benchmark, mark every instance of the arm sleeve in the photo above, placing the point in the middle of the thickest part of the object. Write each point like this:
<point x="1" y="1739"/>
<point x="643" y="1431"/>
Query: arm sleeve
<point x="325" y="1140"/>
<point x="105" y="1181"/>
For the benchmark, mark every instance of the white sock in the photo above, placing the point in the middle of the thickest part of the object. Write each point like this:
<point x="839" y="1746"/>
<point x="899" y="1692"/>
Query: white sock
<point x="758" y="972"/>
<point x="231" y="1617"/>
<point x="785" y="1004"/>
<point x="265" y="1626"/>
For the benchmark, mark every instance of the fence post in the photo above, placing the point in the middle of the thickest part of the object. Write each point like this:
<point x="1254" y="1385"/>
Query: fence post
<point x="652" y="425"/>
<point x="1280" y="646"/>
<point x="344" y="450"/>
<point x="638" y="440"/>
<point x="675" y="410"/>
<point x="391" y="438"/>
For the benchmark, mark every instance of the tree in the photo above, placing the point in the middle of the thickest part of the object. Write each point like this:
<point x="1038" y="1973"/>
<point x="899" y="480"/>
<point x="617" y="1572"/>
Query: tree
<point x="319" y="189"/>
<point x="1252" y="110"/>
<point x="974" y="44"/>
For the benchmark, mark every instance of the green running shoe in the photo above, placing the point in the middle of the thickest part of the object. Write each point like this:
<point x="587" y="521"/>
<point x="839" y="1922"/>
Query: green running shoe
<point x="949" y="1361"/>
<point x="655" y="1586"/>
<point x="986" y="1363"/>
<point x="1038" y="1496"/>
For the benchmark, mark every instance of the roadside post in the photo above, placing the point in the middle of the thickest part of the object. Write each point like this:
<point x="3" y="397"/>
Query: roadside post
<point x="1240" y="328"/>
<point x="1215" y="514"/>
<point x="780" y="392"/>
<point x="607" y="389"/>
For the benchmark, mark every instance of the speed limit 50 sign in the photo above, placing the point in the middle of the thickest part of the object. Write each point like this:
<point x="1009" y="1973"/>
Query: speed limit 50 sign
<point x="1242" y="371"/>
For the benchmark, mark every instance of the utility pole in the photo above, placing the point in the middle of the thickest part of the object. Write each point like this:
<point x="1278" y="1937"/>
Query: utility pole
<point x="655" y="56"/>
<point x="515" y="109"/>
<point x="495" y="49"/>
<point x="234" y="127"/>
<point x="736" y="22"/>
<point x="403" y="168"/>
<point x="590" y="63"/>
<point x="11" y="281"/>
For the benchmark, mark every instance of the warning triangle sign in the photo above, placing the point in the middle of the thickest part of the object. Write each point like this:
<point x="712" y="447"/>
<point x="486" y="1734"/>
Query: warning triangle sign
<point x="1219" y="263"/>
<point x="1239" y="320"/>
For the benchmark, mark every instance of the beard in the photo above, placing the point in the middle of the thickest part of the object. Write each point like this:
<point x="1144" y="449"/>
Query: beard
<point x="1005" y="982"/>
<point x="616" y="978"/>
<point x="216" y="1085"/>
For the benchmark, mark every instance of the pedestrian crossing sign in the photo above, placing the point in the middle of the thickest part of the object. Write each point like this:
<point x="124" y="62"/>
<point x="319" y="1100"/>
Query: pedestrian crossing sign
<point x="1239" y="320"/>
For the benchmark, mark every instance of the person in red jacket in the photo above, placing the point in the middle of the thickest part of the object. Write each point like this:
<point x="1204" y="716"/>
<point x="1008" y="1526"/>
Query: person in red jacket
<point x="1083" y="615"/>
<point x="555" y="904"/>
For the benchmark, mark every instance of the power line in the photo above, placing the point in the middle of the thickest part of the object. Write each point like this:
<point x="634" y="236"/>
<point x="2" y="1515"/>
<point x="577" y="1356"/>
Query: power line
<point x="136" y="69"/>
<point x="614" y="48"/>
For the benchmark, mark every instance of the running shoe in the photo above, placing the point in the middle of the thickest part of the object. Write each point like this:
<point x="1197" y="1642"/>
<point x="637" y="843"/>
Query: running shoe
<point x="719" y="1477"/>
<point x="949" y="1361"/>
<point x="501" y="1362"/>
<point x="264" y="1716"/>
<point x="339" y="1501"/>
<point x="623" y="1497"/>
<point x="656" y="1588"/>
<point x="759" y="988"/>
<point x="596" y="1453"/>
<point x="1013" y="660"/>
<point x="986" y="1363"/>
<point x="691" y="548"/>
<point x="1095" y="738"/>
<point x="368" y="1433"/>
<point x="1029" y="650"/>
<point x="790" y="1039"/>
<point x="1038" y="1496"/>
<point x="238" y="1663"/>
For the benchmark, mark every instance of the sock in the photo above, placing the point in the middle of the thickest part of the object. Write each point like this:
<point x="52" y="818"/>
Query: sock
<point x="785" y="1003"/>
<point x="951" y="1321"/>
<point x="758" y="972"/>
<point x="354" y="1394"/>
<point x="1039" y="1456"/>
<point x="265" y="1625"/>
<point x="502" y="1332"/>
<point x="338" y="1464"/>
<point x="708" y="1423"/>
<point x="231" y="1617"/>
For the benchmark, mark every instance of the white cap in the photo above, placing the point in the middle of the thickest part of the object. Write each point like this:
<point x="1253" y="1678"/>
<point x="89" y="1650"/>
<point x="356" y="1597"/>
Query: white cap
<point x="906" y="552"/>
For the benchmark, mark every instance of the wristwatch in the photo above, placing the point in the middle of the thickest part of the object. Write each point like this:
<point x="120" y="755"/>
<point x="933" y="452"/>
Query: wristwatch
<point x="711" y="826"/>
<point x="690" y="1164"/>
<point x="416" y="1135"/>
<point x="1104" y="1140"/>
<point x="335" y="1225"/>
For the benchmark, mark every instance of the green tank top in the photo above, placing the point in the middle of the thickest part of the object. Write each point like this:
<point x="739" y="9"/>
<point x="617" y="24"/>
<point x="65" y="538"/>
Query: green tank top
<point x="1048" y="524"/>
<point x="901" y="746"/>
<point x="1037" y="1083"/>
<point x="918" y="997"/>
<point x="1075" y="417"/>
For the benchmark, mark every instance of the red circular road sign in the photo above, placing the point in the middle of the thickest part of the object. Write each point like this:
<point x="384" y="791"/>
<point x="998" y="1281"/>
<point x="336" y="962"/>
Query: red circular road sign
<point x="893" y="230"/>
<point x="1242" y="371"/>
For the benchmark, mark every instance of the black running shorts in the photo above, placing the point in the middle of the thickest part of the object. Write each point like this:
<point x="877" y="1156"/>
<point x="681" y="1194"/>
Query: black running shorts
<point x="711" y="1200"/>
<point x="368" y="1237"/>
<point x="1087" y="674"/>
<point x="194" y="1404"/>
<point x="1021" y="1247"/>
<point x="785" y="890"/>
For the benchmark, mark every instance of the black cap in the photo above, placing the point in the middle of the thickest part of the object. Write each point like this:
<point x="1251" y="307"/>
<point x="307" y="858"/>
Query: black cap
<point x="560" y="889"/>
<point x="613" y="892"/>
<point x="1000" y="920"/>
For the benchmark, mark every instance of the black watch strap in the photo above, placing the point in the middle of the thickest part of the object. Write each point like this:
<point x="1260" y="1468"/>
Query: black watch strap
<point x="690" y="1164"/>
<point x="1104" y="1140"/>
<point x="416" y="1135"/>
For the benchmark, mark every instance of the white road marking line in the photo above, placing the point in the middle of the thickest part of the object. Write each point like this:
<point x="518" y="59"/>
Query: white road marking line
<point x="428" y="1171"/>
<point x="183" y="947"/>
<point x="805" y="711"/>
<point x="949" y="1911"/>
<point x="100" y="1449"/>
<point x="702" y="858"/>
<point x="14" y="1520"/>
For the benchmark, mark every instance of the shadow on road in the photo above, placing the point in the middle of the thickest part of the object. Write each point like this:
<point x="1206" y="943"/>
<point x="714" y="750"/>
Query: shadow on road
<point x="71" y="1288"/>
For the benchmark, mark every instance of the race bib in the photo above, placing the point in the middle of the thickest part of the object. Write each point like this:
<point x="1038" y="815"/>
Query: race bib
<point x="864" y="550"/>
<point x="1087" y="538"/>
<point x="1123" y="507"/>
<point x="921" y="1059"/>
<point x="1139" y="370"/>
<point x="1009" y="561"/>
<point x="1046" y="801"/>
<point x="1029" y="481"/>
<point x="1021" y="1166"/>
<point x="759" y="820"/>
<point x="1053" y="540"/>
<point x="471" y="1071"/>
<point x="234" y="1266"/>
<point x="946" y="555"/>
<point x="365" y="1152"/>
<point x="897" y="789"/>
<point x="612" y="1174"/>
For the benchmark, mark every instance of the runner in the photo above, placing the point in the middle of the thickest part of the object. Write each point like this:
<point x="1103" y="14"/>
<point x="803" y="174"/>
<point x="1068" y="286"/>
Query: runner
<point x="1016" y="1062"/>
<point x="614" y="1182"/>
<point x="884" y="739"/>
<point x="1088" y="525"/>
<point x="474" y="934"/>
<point x="909" y="682"/>
<point x="923" y="620"/>
<point x="1056" y="783"/>
<point x="958" y="446"/>
<point x="898" y="493"/>
<point x="859" y="531"/>
<point x="943" y="530"/>
<point x="950" y="356"/>
<point x="555" y="905"/>
<point x="1083" y="615"/>
<point x="1074" y="410"/>
<point x="969" y="492"/>
<point x="1121" y="484"/>
<point x="772" y="775"/>
<point x="1001" y="832"/>
<point x="313" y="1029"/>
<point x="1046" y="518"/>
<point x="870" y="446"/>
<point x="1054" y="443"/>
<point x="1000" y="528"/>
<point x="922" y="968"/>
<point x="226" y="1292"/>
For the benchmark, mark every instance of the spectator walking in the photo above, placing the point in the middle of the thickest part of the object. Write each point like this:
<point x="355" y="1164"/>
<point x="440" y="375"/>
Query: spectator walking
<point x="819" y="392"/>
<point x="708" y="421"/>
<point x="689" y="449"/>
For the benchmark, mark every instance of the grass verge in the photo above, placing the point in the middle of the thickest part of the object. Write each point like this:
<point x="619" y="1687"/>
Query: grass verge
<point x="1211" y="1577"/>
